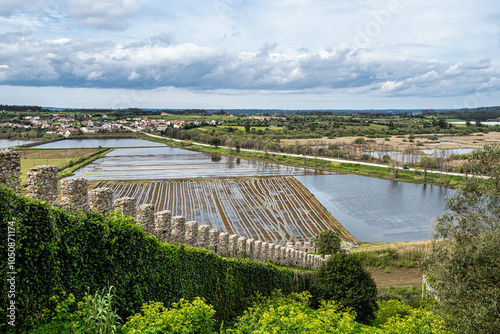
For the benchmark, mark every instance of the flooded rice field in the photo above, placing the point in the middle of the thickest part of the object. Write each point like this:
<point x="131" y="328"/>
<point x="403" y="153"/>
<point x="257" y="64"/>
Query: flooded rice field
<point x="376" y="210"/>
<point x="276" y="209"/>
<point x="175" y="163"/>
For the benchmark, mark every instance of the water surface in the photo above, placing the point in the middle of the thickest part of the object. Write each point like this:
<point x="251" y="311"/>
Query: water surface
<point x="376" y="210"/>
<point x="92" y="143"/>
<point x="176" y="163"/>
<point x="5" y="143"/>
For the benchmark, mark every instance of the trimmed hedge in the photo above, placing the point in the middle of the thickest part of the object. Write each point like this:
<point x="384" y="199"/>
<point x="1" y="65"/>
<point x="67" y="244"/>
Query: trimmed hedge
<point x="60" y="252"/>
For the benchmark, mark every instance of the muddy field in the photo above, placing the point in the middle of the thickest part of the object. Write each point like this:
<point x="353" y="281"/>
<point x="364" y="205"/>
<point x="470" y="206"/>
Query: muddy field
<point x="274" y="209"/>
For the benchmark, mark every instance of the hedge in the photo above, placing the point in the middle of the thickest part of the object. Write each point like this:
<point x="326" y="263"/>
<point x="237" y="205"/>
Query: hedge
<point x="58" y="252"/>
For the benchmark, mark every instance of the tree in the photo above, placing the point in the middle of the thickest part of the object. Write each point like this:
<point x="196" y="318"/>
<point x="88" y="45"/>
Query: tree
<point x="247" y="126"/>
<point x="344" y="280"/>
<point x="328" y="242"/>
<point x="466" y="264"/>
<point x="215" y="142"/>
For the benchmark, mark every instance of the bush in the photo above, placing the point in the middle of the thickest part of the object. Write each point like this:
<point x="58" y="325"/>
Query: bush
<point x="344" y="280"/>
<point x="292" y="314"/>
<point x="328" y="242"/>
<point x="417" y="322"/>
<point x="183" y="318"/>
<point x="95" y="314"/>
<point x="390" y="308"/>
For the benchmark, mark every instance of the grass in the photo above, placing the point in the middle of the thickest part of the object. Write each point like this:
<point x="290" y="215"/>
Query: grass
<point x="397" y="254"/>
<point x="61" y="158"/>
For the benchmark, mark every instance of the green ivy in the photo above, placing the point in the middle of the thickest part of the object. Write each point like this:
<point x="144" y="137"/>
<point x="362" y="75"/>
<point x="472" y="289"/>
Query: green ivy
<point x="60" y="252"/>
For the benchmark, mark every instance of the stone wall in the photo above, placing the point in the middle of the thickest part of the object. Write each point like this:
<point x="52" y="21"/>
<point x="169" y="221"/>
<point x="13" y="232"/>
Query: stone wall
<point x="73" y="195"/>
<point x="41" y="183"/>
<point x="10" y="169"/>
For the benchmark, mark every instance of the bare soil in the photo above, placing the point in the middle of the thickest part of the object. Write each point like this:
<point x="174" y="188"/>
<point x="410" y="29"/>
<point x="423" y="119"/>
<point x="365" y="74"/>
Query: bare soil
<point x="396" y="277"/>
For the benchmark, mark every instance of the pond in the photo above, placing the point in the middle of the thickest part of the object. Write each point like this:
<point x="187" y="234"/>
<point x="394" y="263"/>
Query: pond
<point x="376" y="210"/>
<point x="92" y="143"/>
<point x="176" y="163"/>
<point x="5" y="143"/>
<point x="447" y="153"/>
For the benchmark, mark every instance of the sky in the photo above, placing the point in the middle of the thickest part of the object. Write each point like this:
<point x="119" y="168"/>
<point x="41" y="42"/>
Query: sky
<point x="274" y="54"/>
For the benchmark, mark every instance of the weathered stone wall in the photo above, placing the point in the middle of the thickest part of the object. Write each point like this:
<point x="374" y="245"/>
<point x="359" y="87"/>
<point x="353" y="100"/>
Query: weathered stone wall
<point x="10" y="169"/>
<point x="73" y="194"/>
<point x="41" y="182"/>
<point x="162" y="225"/>
<point x="145" y="216"/>
<point x="101" y="200"/>
<point x="126" y="205"/>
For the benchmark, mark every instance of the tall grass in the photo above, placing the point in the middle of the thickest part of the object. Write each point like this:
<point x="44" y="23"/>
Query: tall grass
<point x="404" y="254"/>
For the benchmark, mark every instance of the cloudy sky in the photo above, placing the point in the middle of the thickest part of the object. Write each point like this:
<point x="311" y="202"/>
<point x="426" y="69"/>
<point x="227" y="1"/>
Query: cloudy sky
<point x="286" y="54"/>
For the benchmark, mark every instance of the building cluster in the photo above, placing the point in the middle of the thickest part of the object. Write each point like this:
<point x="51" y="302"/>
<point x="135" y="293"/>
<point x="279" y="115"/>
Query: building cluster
<point x="67" y="125"/>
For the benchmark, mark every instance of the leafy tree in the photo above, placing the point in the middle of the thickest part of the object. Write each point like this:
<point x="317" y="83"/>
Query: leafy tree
<point x="328" y="242"/>
<point x="344" y="280"/>
<point x="466" y="264"/>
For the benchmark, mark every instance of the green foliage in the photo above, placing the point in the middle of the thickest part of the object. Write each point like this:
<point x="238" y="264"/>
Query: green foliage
<point x="183" y="318"/>
<point x="418" y="321"/>
<point x="94" y="314"/>
<point x="466" y="265"/>
<point x="292" y="314"/>
<point x="359" y="140"/>
<point x="57" y="251"/>
<point x="344" y="280"/>
<point x="390" y="308"/>
<point x="328" y="242"/>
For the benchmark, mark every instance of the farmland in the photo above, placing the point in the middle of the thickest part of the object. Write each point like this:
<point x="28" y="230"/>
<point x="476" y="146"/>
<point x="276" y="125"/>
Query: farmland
<point x="55" y="157"/>
<point x="274" y="209"/>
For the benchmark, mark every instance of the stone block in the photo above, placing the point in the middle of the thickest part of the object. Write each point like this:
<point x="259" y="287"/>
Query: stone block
<point x="41" y="182"/>
<point x="178" y="229"/>
<point x="145" y="217"/>
<point x="213" y="240"/>
<point x="223" y="248"/>
<point x="203" y="236"/>
<point x="162" y="225"/>
<point x="101" y="200"/>
<point x="126" y="205"/>
<point x="192" y="233"/>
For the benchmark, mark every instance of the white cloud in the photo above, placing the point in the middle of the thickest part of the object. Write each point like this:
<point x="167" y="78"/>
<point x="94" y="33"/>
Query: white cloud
<point x="104" y="14"/>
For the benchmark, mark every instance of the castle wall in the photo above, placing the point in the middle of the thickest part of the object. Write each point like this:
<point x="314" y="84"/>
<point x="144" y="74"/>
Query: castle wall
<point x="42" y="183"/>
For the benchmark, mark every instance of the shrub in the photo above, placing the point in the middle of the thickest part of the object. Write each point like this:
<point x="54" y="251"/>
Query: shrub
<point x="328" y="242"/>
<point x="344" y="280"/>
<point x="390" y="308"/>
<point x="292" y="314"/>
<point x="183" y="318"/>
<point x="359" y="140"/>
<point x="95" y="314"/>
<point x="417" y="322"/>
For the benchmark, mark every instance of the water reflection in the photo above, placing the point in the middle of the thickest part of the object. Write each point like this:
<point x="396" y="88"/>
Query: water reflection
<point x="375" y="210"/>
<point x="6" y="143"/>
<point x="91" y="143"/>
<point x="173" y="163"/>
